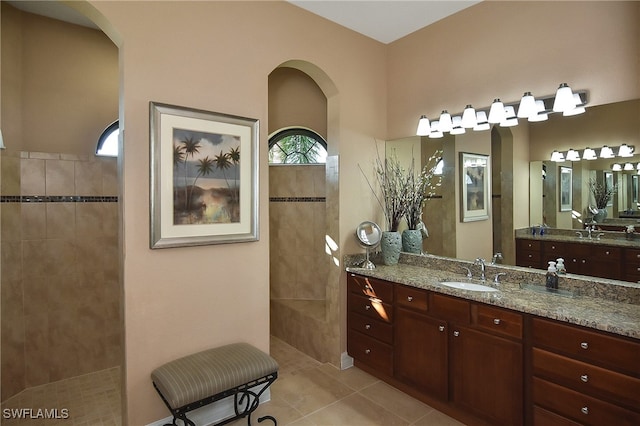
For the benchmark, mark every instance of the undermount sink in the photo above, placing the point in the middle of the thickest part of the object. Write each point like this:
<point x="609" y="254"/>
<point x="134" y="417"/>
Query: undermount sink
<point x="468" y="286"/>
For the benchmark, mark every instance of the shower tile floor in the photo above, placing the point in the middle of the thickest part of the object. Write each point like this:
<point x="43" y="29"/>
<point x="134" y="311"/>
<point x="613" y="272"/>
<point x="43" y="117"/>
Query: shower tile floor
<point x="307" y="392"/>
<point x="91" y="400"/>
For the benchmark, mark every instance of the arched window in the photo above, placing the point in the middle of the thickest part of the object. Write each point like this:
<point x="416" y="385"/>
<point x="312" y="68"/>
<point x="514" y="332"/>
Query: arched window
<point x="297" y="146"/>
<point x="108" y="141"/>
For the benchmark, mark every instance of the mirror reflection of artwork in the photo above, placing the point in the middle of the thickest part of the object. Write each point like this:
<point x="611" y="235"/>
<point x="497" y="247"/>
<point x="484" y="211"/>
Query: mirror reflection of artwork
<point x="634" y="188"/>
<point x="608" y="182"/>
<point x="475" y="189"/>
<point x="566" y="174"/>
<point x="206" y="178"/>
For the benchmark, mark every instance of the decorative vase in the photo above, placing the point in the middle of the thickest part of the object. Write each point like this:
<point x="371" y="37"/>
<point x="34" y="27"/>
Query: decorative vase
<point x="391" y="244"/>
<point x="600" y="216"/>
<point x="412" y="241"/>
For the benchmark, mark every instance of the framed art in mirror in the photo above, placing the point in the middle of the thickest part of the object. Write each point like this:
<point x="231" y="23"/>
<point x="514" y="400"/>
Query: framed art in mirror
<point x="608" y="183"/>
<point x="475" y="188"/>
<point x="565" y="189"/>
<point x="204" y="177"/>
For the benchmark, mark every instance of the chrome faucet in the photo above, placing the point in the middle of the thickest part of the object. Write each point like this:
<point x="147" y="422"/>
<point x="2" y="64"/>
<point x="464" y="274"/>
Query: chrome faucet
<point x="496" y="257"/>
<point x="600" y="234"/>
<point x="481" y="262"/>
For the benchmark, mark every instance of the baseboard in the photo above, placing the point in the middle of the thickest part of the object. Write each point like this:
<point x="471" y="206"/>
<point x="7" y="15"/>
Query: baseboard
<point x="212" y="413"/>
<point x="346" y="361"/>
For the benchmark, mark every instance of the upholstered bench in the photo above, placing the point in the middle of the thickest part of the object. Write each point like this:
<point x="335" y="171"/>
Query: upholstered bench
<point x="205" y="377"/>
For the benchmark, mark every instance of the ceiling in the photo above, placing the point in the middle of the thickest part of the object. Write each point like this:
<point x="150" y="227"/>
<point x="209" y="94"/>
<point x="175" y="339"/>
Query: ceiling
<point x="382" y="20"/>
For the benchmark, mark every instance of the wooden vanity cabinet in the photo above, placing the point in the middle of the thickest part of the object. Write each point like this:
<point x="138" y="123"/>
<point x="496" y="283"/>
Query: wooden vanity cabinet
<point x="528" y="253"/>
<point x="582" y="376"/>
<point x="631" y="265"/>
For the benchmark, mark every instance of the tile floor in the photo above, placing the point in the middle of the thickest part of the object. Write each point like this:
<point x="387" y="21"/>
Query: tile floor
<point x="307" y="392"/>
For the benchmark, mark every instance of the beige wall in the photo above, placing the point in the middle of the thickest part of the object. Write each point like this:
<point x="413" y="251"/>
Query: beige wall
<point x="173" y="306"/>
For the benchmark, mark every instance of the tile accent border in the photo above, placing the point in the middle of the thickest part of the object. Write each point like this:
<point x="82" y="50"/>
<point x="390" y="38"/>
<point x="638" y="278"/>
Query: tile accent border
<point x="297" y="199"/>
<point x="57" y="199"/>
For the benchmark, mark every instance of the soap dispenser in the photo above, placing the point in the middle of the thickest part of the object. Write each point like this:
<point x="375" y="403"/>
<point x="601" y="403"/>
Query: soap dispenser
<point x="552" y="276"/>
<point x="560" y="266"/>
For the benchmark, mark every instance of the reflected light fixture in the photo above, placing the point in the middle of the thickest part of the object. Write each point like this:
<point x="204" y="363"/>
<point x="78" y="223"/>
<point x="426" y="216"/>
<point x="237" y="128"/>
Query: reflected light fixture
<point x="424" y="128"/>
<point x="589" y="154"/>
<point x="628" y="166"/>
<point x="638" y="166"/>
<point x="457" y="128"/>
<point x="564" y="100"/>
<point x="445" y="121"/>
<point x="573" y="155"/>
<point x="435" y="131"/>
<point x="625" y="151"/>
<point x="606" y="152"/>
<point x="496" y="113"/>
<point x="557" y="156"/>
<point x="510" y="119"/>
<point x="469" y="119"/>
<point x="616" y="167"/>
<point x="527" y="106"/>
<point x="482" y="122"/>
<point x="2" y="141"/>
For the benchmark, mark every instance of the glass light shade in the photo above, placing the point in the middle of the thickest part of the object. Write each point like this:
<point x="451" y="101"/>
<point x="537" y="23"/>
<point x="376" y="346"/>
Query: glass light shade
<point x="457" y="128"/>
<point x="625" y="151"/>
<point x="541" y="114"/>
<point x="527" y="106"/>
<point x="469" y="119"/>
<point x="556" y="156"/>
<point x="435" y="132"/>
<point x="496" y="113"/>
<point x="481" y="118"/>
<point x="628" y="166"/>
<point x="589" y="154"/>
<point x="638" y="166"/>
<point x="573" y="155"/>
<point x="606" y="152"/>
<point x="575" y="111"/>
<point x="445" y="122"/>
<point x="616" y="167"/>
<point x="424" y="127"/>
<point x="510" y="119"/>
<point x="564" y="100"/>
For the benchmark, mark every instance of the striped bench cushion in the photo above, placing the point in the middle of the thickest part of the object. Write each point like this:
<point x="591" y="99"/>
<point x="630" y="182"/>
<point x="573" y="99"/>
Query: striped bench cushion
<point x="207" y="373"/>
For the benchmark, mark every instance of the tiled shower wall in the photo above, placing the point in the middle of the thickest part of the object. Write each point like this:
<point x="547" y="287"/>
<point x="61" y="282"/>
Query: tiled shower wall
<point x="60" y="268"/>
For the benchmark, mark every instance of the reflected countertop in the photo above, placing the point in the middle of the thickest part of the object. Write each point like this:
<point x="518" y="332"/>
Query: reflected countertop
<point x="588" y="311"/>
<point x="615" y="239"/>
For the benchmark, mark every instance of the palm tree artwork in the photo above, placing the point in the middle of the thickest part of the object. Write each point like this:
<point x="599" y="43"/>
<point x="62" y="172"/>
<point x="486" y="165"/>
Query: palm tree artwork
<point x="206" y="178"/>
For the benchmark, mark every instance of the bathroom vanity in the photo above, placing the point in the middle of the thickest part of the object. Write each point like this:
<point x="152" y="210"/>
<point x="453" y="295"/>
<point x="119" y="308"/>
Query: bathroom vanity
<point x="506" y="357"/>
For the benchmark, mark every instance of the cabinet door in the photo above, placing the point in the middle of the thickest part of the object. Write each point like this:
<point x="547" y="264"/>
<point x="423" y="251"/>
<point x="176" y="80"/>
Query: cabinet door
<point x="486" y="375"/>
<point x="420" y="352"/>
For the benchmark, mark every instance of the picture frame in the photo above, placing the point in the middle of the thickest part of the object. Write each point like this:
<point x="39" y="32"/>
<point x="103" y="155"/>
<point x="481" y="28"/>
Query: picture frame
<point x="204" y="177"/>
<point x="634" y="190"/>
<point x="475" y="187"/>
<point x="565" y="186"/>
<point x="608" y="182"/>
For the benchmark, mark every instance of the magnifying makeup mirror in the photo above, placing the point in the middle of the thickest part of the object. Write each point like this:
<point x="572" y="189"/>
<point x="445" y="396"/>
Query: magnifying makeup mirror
<point x="369" y="234"/>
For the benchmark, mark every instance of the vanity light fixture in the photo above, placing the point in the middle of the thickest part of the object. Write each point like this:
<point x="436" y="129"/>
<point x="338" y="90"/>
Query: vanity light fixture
<point x="628" y="166"/>
<point x="616" y="167"/>
<point x="625" y="151"/>
<point x="510" y="119"/>
<point x="482" y="122"/>
<point x="579" y="109"/>
<point x="445" y="121"/>
<point x="497" y="113"/>
<point x="589" y="154"/>
<point x="541" y="114"/>
<point x="457" y="128"/>
<point x="469" y="119"/>
<point x="557" y="156"/>
<point x="573" y="155"/>
<point x="527" y="106"/>
<point x="606" y="152"/>
<point x="435" y="131"/>
<point x="424" y="128"/>
<point x="564" y="100"/>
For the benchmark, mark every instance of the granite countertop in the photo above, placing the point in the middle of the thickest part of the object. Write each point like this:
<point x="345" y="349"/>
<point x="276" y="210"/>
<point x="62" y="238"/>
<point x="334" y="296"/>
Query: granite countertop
<point x="610" y="238"/>
<point x="601" y="314"/>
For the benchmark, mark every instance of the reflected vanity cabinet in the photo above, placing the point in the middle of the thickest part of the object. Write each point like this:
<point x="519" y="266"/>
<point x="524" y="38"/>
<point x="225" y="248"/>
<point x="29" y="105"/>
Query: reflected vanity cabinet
<point x="582" y="376"/>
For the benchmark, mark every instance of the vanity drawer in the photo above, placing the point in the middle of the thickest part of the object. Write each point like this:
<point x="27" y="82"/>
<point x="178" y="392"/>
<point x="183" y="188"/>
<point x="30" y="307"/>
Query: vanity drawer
<point x="449" y="308"/>
<point x="587" y="378"/>
<point x="370" y="307"/>
<point x="579" y="407"/>
<point x="532" y="245"/>
<point x="370" y="351"/>
<point x="612" y="352"/>
<point x="411" y="297"/>
<point x="497" y="321"/>
<point x="370" y="287"/>
<point x="366" y="325"/>
<point x="606" y="253"/>
<point x="632" y="256"/>
<point x="542" y="417"/>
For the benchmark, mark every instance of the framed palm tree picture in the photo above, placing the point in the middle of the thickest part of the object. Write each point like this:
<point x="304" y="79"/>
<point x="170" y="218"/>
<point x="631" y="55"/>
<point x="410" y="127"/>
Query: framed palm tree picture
<point x="204" y="177"/>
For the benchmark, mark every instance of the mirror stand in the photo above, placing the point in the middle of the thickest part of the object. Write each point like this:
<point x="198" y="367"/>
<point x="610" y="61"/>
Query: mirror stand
<point x="369" y="235"/>
<point x="367" y="264"/>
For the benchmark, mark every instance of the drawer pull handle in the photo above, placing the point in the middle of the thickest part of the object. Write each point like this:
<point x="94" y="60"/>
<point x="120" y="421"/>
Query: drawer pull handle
<point x="410" y="298"/>
<point x="584" y="345"/>
<point x="367" y="351"/>
<point x="530" y="256"/>
<point x="606" y="252"/>
<point x="496" y="321"/>
<point x="584" y="378"/>
<point x="585" y="410"/>
<point x="367" y="307"/>
<point x="441" y="328"/>
<point x="456" y="333"/>
<point x="367" y="327"/>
